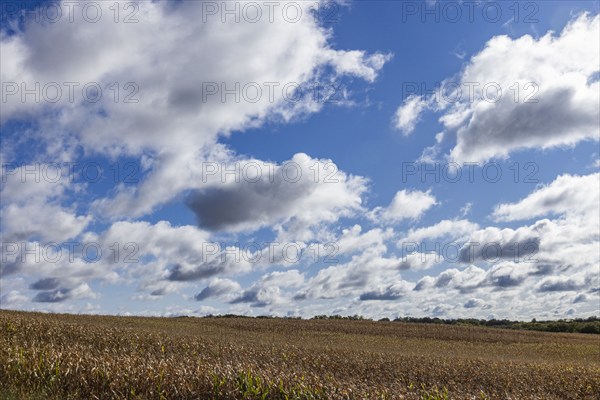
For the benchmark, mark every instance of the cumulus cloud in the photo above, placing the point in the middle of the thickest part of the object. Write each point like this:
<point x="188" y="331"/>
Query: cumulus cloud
<point x="181" y="253"/>
<point x="159" y="258"/>
<point x="219" y="288"/>
<point x="290" y="278"/>
<point x="493" y="244"/>
<point x="353" y="239"/>
<point x="556" y="284"/>
<point x="31" y="204"/>
<point x="171" y="98"/>
<point x="503" y="275"/>
<point x="13" y="298"/>
<point x="567" y="194"/>
<point x="473" y="303"/>
<point x="53" y="296"/>
<point x="393" y="291"/>
<point x="61" y="294"/>
<point x="366" y="270"/>
<point x="571" y="240"/>
<point x="406" y="204"/>
<point x="453" y="229"/>
<point x="526" y="93"/>
<point x="288" y="195"/>
<point x="506" y="275"/>
<point x="41" y="221"/>
<point x="259" y="296"/>
<point x="270" y="289"/>
<point x="32" y="182"/>
<point x="45" y="284"/>
<point x="419" y="261"/>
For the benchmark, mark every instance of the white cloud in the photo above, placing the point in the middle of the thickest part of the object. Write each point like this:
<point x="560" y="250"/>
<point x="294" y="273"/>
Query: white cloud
<point x="43" y="221"/>
<point x="220" y="288"/>
<point x="271" y="289"/>
<point x="392" y="291"/>
<point x="466" y="209"/>
<point x="81" y="291"/>
<point x="36" y="181"/>
<point x="353" y="240"/>
<point x="13" y="298"/>
<point x="549" y="94"/>
<point x="181" y="253"/>
<point x="406" y="204"/>
<point x="292" y="197"/>
<point x="419" y="261"/>
<point x="408" y="114"/>
<point x="493" y="243"/>
<point x="31" y="204"/>
<point x="567" y="194"/>
<point x="454" y="229"/>
<point x="290" y="278"/>
<point x="359" y="64"/>
<point x="176" y="61"/>
<point x="363" y="272"/>
<point x="567" y="107"/>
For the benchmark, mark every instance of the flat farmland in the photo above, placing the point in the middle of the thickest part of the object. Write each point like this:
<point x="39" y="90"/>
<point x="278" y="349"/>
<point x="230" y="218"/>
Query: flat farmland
<point x="59" y="356"/>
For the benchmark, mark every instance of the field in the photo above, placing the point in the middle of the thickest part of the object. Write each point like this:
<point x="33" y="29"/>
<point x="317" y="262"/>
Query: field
<point x="98" y="357"/>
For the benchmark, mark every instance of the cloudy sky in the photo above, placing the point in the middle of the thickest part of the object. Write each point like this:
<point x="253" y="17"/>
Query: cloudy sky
<point x="298" y="158"/>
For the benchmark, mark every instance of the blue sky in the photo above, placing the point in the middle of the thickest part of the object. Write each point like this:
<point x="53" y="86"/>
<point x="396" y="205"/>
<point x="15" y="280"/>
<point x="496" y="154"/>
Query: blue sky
<point x="140" y="163"/>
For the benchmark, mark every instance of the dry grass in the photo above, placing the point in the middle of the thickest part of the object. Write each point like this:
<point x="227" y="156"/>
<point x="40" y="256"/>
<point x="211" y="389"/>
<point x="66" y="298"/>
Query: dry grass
<point x="87" y="357"/>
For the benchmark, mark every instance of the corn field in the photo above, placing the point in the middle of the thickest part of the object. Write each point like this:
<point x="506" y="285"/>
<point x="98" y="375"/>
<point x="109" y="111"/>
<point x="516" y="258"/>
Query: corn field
<point x="45" y="356"/>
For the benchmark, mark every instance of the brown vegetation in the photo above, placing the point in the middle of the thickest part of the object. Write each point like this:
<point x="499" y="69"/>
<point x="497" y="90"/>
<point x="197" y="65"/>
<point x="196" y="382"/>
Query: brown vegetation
<point x="87" y="357"/>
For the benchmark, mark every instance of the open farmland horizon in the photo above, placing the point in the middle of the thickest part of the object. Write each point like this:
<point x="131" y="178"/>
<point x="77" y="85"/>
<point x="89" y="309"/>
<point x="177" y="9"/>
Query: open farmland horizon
<point x="578" y="325"/>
